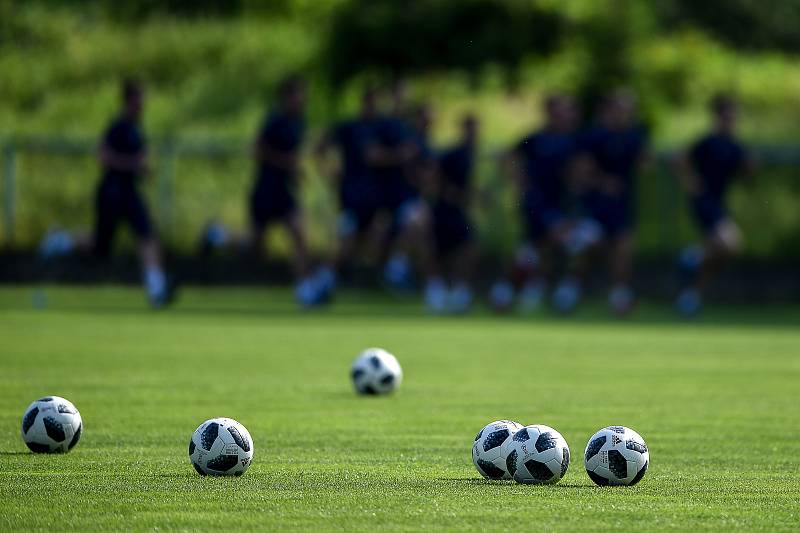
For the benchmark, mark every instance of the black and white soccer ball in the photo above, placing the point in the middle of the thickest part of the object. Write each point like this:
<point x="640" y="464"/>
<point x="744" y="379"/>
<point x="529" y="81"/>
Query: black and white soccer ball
<point x="221" y="447"/>
<point x="616" y="455"/>
<point x="376" y="371"/>
<point x="491" y="447"/>
<point x="538" y="455"/>
<point x="51" y="425"/>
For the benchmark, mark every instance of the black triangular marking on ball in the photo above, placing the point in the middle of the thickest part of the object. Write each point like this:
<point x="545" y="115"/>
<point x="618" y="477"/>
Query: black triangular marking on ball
<point x="495" y="439"/>
<point x="638" y="446"/>
<point x="521" y="435"/>
<point x="357" y="373"/>
<point x="209" y="435"/>
<point x="66" y="409"/>
<point x="564" y="461"/>
<point x="35" y="447"/>
<point x="54" y="429"/>
<point x="388" y="379"/>
<point x="617" y="464"/>
<point x="240" y="439"/>
<point x="639" y="474"/>
<point x="478" y="436"/>
<point x="375" y="361"/>
<point x="539" y="471"/>
<point x="491" y="470"/>
<point x="191" y="447"/>
<point x="75" y="438"/>
<point x="598" y="479"/>
<point x="511" y="462"/>
<point x="369" y="389"/>
<point x="594" y="447"/>
<point x="45" y="399"/>
<point x="223" y="463"/>
<point x="198" y="469"/>
<point x="29" y="419"/>
<point x="545" y="441"/>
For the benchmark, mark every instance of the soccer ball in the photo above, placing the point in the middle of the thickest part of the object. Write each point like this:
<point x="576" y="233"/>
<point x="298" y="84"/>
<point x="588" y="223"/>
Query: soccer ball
<point x="376" y="371"/>
<point x="221" y="447"/>
<point x="51" y="424"/>
<point x="491" y="448"/>
<point x="538" y="455"/>
<point x="616" y="455"/>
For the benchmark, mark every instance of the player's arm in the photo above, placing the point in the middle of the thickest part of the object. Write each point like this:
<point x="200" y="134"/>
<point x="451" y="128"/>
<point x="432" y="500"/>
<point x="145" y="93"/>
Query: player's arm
<point x="381" y="156"/>
<point x="115" y="160"/>
<point x="266" y="153"/>
<point x="683" y="167"/>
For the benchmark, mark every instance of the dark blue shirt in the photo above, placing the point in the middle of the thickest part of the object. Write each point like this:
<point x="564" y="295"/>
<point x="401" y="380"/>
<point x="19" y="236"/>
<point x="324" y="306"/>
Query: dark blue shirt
<point x="616" y="152"/>
<point x="456" y="165"/>
<point x="716" y="160"/>
<point x="353" y="139"/>
<point x="546" y="157"/>
<point x="391" y="133"/>
<point x="124" y="136"/>
<point x="284" y="134"/>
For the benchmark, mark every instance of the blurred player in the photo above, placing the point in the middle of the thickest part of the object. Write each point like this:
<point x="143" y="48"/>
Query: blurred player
<point x="452" y="228"/>
<point x="123" y="160"/>
<point x="611" y="152"/>
<point x="540" y="165"/>
<point x="393" y="158"/>
<point x="273" y="197"/>
<point x="357" y="187"/>
<point x="706" y="173"/>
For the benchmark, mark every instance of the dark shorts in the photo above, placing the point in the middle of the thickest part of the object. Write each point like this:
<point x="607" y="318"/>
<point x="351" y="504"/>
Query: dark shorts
<point x="451" y="227"/>
<point x="118" y="201"/>
<point x="540" y="218"/>
<point x="708" y="212"/>
<point x="269" y="202"/>
<point x="614" y="213"/>
<point x="359" y="204"/>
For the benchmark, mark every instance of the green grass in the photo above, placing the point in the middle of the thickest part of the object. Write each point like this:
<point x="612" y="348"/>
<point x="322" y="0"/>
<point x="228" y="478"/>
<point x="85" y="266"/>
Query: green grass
<point x="716" y="400"/>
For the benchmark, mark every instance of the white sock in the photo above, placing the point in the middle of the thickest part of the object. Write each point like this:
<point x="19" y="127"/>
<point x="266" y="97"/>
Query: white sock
<point x="155" y="282"/>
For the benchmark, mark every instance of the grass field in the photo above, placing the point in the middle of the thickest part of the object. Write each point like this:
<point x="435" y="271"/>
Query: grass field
<point x="718" y="402"/>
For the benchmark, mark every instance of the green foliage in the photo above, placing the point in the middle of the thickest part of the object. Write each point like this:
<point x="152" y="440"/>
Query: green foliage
<point x="396" y="39"/>
<point x="716" y="402"/>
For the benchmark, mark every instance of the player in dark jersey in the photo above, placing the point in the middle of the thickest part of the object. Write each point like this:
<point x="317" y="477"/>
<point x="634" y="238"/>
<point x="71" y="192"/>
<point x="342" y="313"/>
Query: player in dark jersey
<point x="123" y="162"/>
<point x="357" y="188"/>
<point x="393" y="156"/>
<point x="452" y="228"/>
<point x="706" y="172"/>
<point x="540" y="165"/>
<point x="273" y="196"/>
<point x="611" y="151"/>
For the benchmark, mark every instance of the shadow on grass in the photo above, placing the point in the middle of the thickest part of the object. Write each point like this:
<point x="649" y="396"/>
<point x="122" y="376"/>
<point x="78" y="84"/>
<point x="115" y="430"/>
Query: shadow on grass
<point x="19" y="453"/>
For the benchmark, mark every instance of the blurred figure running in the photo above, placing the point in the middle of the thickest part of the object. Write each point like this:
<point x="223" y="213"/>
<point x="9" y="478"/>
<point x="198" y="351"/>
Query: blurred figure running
<point x="540" y="164"/>
<point x="123" y="160"/>
<point x="612" y="151"/>
<point x="706" y="172"/>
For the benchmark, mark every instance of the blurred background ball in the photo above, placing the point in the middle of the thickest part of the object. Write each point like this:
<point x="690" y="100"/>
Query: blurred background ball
<point x="51" y="424"/>
<point x="376" y="371"/>
<point x="491" y="446"/>
<point x="221" y="447"/>
<point x="616" y="455"/>
<point x="538" y="455"/>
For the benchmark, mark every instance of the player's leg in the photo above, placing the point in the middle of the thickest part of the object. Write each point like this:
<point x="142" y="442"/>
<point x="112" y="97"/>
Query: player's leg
<point x="621" y="298"/>
<point x="160" y="291"/>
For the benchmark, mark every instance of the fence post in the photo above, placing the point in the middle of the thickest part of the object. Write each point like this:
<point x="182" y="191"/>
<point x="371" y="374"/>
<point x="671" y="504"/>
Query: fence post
<point x="164" y="185"/>
<point x="9" y="190"/>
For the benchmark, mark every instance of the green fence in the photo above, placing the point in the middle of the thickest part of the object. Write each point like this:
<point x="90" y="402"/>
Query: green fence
<point x="50" y="182"/>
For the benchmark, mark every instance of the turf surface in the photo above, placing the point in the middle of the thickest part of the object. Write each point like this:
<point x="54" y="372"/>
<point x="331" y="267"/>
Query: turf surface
<point x="718" y="402"/>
